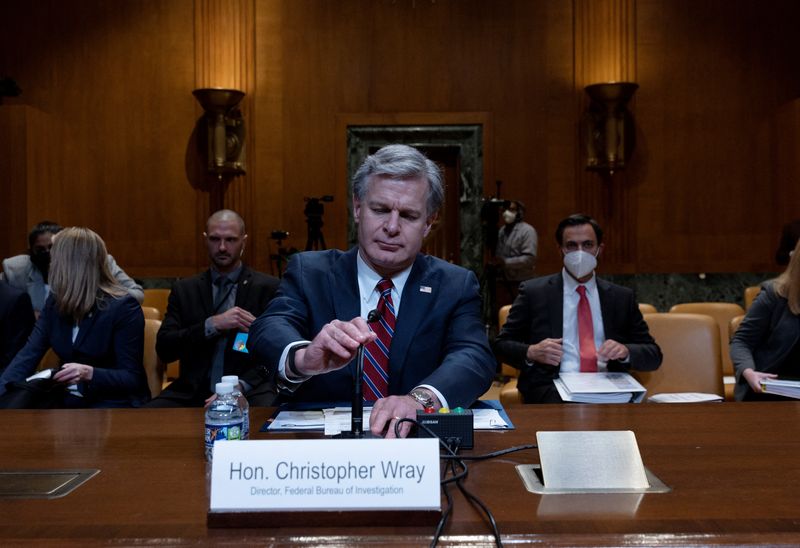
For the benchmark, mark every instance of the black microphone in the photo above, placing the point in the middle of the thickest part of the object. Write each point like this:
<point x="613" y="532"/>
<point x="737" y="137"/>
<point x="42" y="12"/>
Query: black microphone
<point x="357" y="408"/>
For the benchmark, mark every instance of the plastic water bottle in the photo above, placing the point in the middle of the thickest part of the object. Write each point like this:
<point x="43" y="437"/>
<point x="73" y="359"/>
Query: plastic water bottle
<point x="223" y="418"/>
<point x="243" y="405"/>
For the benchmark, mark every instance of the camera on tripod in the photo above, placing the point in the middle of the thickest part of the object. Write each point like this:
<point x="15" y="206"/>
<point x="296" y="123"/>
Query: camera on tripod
<point x="314" y="210"/>
<point x="279" y="235"/>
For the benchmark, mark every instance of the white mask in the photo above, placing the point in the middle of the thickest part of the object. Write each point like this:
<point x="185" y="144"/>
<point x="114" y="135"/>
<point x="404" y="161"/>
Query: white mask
<point x="509" y="216"/>
<point x="580" y="263"/>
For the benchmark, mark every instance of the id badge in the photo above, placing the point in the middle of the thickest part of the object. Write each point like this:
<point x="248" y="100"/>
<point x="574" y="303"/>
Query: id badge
<point x="240" y="343"/>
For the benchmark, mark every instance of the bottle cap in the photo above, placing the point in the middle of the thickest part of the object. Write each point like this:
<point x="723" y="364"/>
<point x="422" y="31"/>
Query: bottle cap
<point x="233" y="379"/>
<point x="224" y="388"/>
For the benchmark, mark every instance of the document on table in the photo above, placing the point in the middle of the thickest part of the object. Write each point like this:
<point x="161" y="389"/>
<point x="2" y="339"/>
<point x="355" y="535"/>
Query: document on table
<point x="684" y="397"/>
<point x="298" y="420"/>
<point x="606" y="387"/>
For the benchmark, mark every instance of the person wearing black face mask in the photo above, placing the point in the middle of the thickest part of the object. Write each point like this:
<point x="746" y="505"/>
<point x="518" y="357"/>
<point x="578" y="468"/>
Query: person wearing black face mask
<point x="30" y="272"/>
<point x="41" y="260"/>
<point x="573" y="321"/>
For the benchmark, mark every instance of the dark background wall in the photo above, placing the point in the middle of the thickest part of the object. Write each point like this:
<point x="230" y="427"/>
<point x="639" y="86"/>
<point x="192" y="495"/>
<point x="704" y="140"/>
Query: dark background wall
<point x="101" y="134"/>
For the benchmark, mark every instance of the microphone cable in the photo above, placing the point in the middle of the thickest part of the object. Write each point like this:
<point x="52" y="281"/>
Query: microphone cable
<point x="454" y="461"/>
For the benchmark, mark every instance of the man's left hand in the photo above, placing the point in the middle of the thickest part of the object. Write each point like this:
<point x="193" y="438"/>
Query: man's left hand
<point x="612" y="350"/>
<point x="387" y="411"/>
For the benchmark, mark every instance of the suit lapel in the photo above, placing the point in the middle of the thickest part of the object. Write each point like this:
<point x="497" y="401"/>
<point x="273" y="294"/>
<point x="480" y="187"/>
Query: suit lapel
<point x="343" y="282"/>
<point x="206" y="296"/>
<point x="606" y="307"/>
<point x="343" y="285"/>
<point x="415" y="305"/>
<point x="84" y="328"/>
<point x="243" y="287"/>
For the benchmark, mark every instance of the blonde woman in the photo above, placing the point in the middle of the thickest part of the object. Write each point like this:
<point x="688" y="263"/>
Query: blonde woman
<point x="767" y="343"/>
<point x="94" y="326"/>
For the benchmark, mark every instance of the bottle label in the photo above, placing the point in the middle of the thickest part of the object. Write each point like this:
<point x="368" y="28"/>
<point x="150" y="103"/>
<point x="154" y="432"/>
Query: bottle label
<point x="246" y="425"/>
<point x="215" y="432"/>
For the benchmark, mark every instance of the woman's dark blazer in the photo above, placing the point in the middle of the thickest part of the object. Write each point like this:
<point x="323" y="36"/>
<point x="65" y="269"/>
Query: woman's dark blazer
<point x="765" y="338"/>
<point x="110" y="339"/>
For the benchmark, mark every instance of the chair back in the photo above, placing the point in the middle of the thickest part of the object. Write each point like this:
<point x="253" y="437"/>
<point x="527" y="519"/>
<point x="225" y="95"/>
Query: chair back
<point x="750" y="294"/>
<point x="157" y="298"/>
<point x="49" y="361"/>
<point x="151" y="313"/>
<point x="722" y="313"/>
<point x="510" y="394"/>
<point x="505" y="369"/>
<point x="645" y="308"/>
<point x="152" y="365"/>
<point x="690" y="344"/>
<point x="734" y="324"/>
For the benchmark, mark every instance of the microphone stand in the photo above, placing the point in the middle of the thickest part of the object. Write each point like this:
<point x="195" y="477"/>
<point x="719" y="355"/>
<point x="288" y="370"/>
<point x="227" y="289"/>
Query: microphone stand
<point x="357" y="406"/>
<point x="357" y="412"/>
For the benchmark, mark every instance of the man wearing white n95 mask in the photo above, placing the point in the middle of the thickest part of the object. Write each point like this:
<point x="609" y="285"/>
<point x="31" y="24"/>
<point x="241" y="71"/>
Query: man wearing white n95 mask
<point x="573" y="321"/>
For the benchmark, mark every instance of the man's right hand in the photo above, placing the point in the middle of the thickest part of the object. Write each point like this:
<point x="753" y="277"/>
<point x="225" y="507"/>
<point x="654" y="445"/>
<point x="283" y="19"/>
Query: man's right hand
<point x="333" y="347"/>
<point x="233" y="318"/>
<point x="547" y="351"/>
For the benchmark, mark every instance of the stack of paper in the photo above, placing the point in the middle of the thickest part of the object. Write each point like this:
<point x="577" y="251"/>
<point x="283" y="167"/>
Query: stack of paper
<point x="599" y="388"/>
<point x="782" y="387"/>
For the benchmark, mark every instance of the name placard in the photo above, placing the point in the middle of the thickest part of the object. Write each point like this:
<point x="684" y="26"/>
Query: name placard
<point x="369" y="474"/>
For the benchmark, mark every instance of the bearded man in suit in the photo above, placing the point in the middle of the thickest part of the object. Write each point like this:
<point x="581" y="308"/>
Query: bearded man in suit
<point x="208" y="318"/>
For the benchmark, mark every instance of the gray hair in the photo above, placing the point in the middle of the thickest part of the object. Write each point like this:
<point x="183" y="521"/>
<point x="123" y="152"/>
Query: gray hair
<point x="400" y="162"/>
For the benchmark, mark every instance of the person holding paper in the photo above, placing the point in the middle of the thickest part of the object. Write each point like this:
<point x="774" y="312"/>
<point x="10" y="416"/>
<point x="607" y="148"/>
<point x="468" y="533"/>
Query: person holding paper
<point x="208" y="318"/>
<point x="767" y="343"/>
<point x="428" y="348"/>
<point x="573" y="320"/>
<point x="95" y="327"/>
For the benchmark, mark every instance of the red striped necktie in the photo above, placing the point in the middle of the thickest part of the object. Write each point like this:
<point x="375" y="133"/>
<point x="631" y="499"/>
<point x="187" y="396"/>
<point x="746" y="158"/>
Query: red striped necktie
<point x="586" y="333"/>
<point x="376" y="353"/>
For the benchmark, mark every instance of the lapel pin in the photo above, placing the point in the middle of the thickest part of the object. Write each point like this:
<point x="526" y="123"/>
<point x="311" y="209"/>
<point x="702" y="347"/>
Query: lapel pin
<point x="424" y="289"/>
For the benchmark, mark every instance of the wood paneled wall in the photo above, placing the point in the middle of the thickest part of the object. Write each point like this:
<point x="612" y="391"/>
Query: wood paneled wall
<point x="107" y="114"/>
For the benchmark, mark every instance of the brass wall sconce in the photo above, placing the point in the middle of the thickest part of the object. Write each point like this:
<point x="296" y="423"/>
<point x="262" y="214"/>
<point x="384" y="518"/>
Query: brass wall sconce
<point x="225" y="130"/>
<point x="609" y="132"/>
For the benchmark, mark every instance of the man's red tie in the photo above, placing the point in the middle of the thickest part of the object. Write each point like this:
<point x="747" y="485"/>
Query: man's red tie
<point x="376" y="353"/>
<point x="586" y="333"/>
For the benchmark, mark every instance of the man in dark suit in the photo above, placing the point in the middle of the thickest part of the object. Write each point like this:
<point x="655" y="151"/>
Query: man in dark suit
<point x="16" y="322"/>
<point x="428" y="349"/>
<point x="574" y="321"/>
<point x="208" y="318"/>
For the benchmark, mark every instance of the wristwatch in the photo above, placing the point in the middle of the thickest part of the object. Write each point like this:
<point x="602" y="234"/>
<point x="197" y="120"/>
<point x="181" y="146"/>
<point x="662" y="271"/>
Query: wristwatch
<point x="422" y="396"/>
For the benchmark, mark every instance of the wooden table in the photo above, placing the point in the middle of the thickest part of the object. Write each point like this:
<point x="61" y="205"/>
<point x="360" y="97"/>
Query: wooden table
<point x="734" y="470"/>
